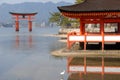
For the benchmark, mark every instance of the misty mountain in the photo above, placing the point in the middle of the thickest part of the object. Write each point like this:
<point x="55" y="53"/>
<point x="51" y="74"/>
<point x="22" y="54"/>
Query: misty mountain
<point x="43" y="9"/>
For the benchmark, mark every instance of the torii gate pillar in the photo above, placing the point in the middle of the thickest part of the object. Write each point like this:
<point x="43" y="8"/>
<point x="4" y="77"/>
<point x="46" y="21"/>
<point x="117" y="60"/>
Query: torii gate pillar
<point x="17" y="25"/>
<point x="23" y="16"/>
<point x="30" y="25"/>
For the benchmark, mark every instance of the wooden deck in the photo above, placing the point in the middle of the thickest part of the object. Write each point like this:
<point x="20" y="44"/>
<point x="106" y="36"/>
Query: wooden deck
<point x="88" y="53"/>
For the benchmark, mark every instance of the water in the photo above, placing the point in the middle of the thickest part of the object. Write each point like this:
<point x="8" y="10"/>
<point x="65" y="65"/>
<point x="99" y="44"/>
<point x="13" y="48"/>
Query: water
<point x="93" y="68"/>
<point x="26" y="55"/>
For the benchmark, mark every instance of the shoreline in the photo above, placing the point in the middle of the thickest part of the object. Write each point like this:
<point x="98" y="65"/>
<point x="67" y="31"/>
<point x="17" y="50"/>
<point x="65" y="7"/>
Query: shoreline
<point x="88" y="53"/>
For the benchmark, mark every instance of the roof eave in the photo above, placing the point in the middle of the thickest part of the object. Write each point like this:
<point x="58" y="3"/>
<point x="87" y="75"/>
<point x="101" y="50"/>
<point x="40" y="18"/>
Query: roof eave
<point x="17" y="13"/>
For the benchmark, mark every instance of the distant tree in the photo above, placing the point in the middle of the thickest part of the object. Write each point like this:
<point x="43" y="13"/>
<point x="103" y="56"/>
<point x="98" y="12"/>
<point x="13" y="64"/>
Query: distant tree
<point x="55" y="18"/>
<point x="61" y="20"/>
<point x="58" y="19"/>
<point x="79" y="1"/>
<point x="64" y="21"/>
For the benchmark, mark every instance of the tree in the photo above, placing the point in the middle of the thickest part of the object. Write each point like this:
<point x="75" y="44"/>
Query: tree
<point x="64" y="21"/>
<point x="58" y="19"/>
<point x="55" y="18"/>
<point x="61" y="20"/>
<point x="79" y="1"/>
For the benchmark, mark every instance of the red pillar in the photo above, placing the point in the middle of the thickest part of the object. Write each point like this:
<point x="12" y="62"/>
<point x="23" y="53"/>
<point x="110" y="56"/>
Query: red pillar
<point x="17" y="25"/>
<point x="30" y="25"/>
<point x="81" y="27"/>
<point x="84" y="28"/>
<point x="102" y="32"/>
<point x="85" y="36"/>
<point x="68" y="42"/>
<point x="82" y="32"/>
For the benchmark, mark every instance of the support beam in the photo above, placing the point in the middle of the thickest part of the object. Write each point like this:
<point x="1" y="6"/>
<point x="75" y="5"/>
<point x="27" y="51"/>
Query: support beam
<point x="17" y="25"/>
<point x="85" y="41"/>
<point x="82" y="31"/>
<point x="30" y="25"/>
<point x="82" y="27"/>
<point x="68" y="42"/>
<point x="102" y="32"/>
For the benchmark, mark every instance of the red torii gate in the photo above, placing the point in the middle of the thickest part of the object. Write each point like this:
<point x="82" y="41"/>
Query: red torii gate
<point x="23" y="16"/>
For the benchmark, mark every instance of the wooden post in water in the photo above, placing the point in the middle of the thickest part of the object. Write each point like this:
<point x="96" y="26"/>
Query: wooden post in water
<point x="17" y="25"/>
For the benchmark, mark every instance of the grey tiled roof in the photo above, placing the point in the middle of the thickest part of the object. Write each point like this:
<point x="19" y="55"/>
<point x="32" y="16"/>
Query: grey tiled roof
<point x="93" y="6"/>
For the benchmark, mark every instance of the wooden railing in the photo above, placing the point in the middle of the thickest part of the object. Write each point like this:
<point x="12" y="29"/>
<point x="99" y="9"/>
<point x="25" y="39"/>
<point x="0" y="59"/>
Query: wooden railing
<point x="76" y="37"/>
<point x="70" y="43"/>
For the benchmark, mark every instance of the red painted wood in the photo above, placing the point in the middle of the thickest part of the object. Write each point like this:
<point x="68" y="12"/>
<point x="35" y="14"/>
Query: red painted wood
<point x="21" y="16"/>
<point x="94" y="18"/>
<point x="17" y="25"/>
<point x="30" y="25"/>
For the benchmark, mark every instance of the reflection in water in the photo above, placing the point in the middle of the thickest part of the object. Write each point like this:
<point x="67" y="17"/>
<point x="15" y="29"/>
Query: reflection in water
<point x="17" y="41"/>
<point x="62" y="73"/>
<point x="29" y="63"/>
<point x="29" y="40"/>
<point x="99" y="68"/>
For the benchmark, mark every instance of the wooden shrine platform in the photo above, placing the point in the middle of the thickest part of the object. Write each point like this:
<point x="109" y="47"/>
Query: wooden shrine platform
<point x="87" y="53"/>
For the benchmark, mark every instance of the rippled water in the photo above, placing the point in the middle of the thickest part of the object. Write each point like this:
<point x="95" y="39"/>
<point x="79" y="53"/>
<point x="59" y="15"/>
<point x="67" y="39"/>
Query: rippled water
<point x="26" y="55"/>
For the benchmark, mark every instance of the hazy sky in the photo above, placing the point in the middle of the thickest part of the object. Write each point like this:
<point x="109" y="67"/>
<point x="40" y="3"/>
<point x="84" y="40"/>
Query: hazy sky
<point x="20" y="1"/>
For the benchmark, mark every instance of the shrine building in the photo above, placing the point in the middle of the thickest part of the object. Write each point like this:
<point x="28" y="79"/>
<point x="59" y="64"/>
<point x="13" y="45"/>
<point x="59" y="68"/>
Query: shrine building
<point x="103" y="14"/>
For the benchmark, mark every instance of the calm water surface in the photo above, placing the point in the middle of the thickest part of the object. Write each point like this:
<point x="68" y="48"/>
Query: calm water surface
<point x="97" y="68"/>
<point x="26" y="55"/>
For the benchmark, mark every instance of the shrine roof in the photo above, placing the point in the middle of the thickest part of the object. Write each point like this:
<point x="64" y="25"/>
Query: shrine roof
<point x="17" y="13"/>
<point x="93" y="6"/>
